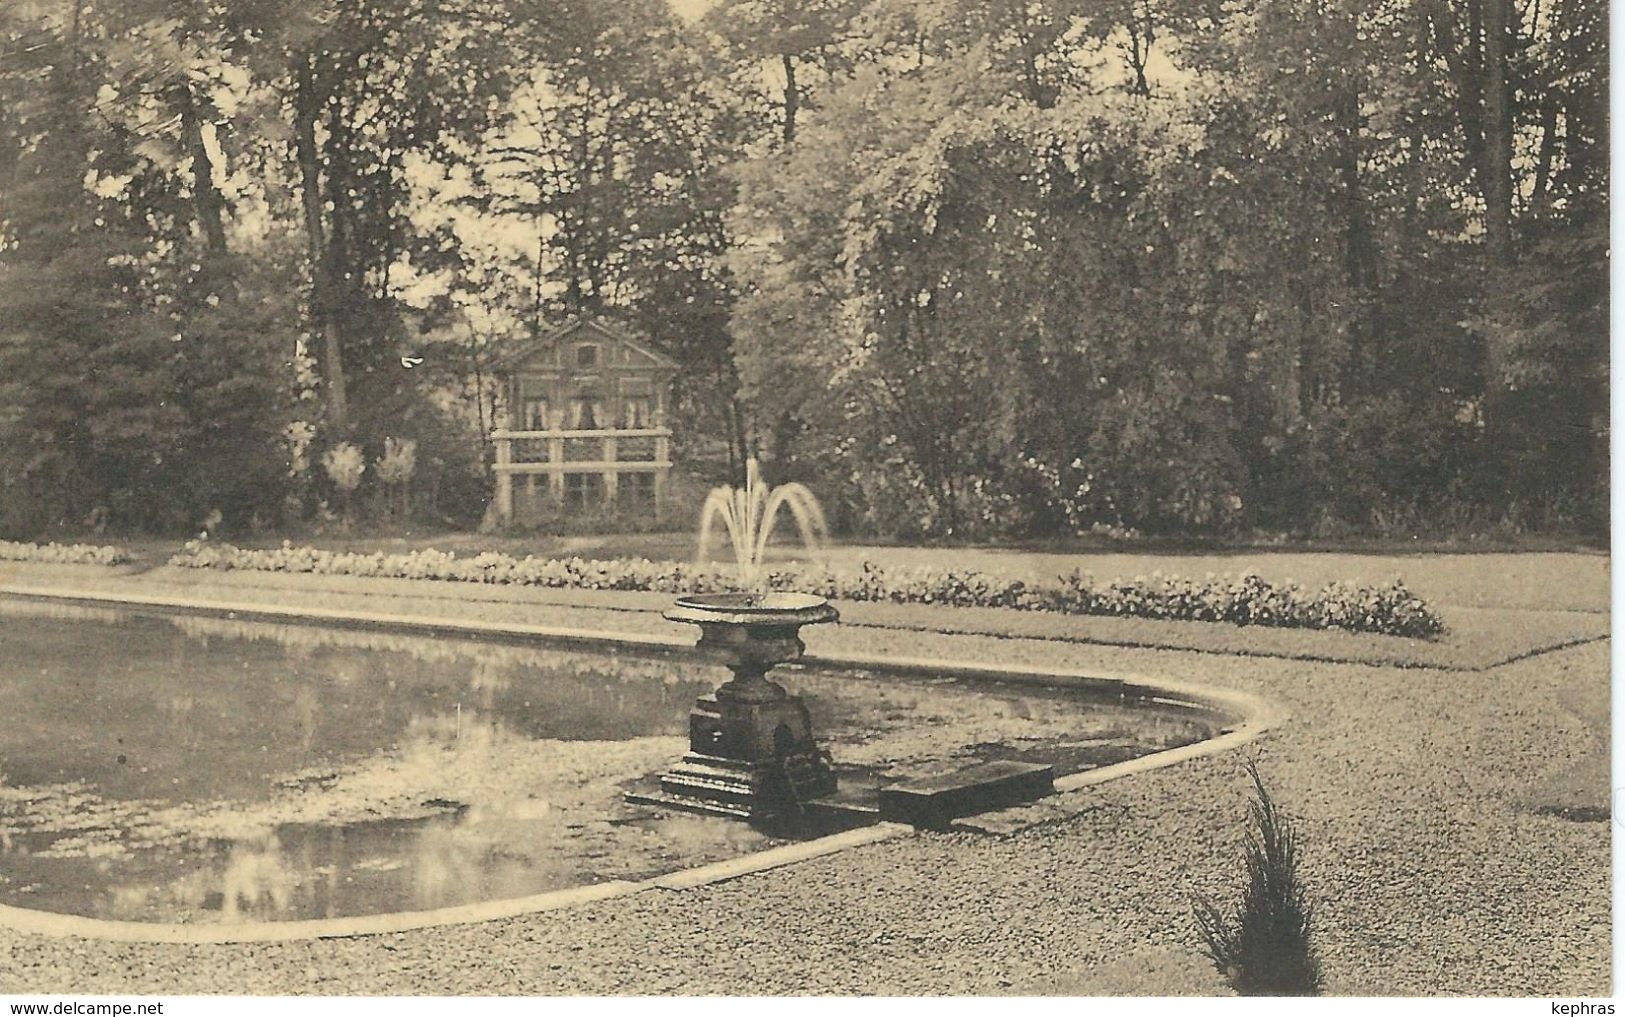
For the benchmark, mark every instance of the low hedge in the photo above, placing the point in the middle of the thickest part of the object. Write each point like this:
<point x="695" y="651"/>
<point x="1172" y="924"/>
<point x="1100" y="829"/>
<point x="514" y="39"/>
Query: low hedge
<point x="1388" y="609"/>
<point x="64" y="554"/>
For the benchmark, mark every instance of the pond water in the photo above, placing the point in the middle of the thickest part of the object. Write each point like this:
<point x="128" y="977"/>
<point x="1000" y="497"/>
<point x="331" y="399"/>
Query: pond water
<point x="182" y="768"/>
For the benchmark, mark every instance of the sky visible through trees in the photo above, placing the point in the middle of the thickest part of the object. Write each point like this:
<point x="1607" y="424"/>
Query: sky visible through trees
<point x="971" y="268"/>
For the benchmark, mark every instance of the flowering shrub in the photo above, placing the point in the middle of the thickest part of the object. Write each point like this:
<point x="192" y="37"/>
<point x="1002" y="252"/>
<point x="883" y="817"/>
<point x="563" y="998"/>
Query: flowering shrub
<point x="67" y="554"/>
<point x="344" y="464"/>
<point x="1388" y="609"/>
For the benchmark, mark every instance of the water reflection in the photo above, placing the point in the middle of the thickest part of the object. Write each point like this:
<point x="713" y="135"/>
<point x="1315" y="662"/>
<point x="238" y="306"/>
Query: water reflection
<point x="491" y="657"/>
<point x="256" y="882"/>
<point x="56" y="610"/>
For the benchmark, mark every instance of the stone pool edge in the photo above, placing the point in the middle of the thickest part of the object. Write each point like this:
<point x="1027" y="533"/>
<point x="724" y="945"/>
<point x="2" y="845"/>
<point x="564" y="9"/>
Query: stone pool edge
<point x="1248" y="717"/>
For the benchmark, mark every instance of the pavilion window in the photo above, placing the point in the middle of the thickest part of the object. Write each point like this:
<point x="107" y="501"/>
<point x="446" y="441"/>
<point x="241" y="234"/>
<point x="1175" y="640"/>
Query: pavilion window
<point x="535" y="416"/>
<point x="638" y="412"/>
<point x="585" y="413"/>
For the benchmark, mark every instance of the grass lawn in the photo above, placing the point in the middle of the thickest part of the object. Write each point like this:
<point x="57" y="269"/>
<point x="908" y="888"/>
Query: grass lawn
<point x="1574" y="580"/>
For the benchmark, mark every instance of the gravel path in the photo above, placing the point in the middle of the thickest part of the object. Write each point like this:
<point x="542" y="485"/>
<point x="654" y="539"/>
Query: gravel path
<point x="1428" y="874"/>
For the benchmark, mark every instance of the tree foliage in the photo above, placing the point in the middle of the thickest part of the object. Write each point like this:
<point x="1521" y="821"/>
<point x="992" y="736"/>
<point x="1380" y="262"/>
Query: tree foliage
<point x="1262" y="284"/>
<point x="967" y="267"/>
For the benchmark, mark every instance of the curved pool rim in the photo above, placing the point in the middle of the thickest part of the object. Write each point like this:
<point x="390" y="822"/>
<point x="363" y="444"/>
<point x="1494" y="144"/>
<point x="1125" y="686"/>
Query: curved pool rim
<point x="1242" y="717"/>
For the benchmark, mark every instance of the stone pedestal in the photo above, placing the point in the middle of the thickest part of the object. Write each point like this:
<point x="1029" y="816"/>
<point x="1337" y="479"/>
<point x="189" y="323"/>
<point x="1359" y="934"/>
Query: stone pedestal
<point x="751" y="748"/>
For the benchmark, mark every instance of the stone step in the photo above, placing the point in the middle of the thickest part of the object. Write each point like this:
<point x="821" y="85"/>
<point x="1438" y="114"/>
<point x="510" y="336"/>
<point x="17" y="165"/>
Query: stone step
<point x="938" y="800"/>
<point x="689" y="803"/>
<point x="734" y="787"/>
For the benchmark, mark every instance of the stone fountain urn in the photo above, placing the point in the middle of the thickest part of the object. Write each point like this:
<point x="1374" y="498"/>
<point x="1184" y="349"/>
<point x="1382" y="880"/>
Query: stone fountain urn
<point x="751" y="749"/>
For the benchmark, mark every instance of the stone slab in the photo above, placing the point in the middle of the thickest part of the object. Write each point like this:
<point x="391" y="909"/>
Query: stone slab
<point x="938" y="800"/>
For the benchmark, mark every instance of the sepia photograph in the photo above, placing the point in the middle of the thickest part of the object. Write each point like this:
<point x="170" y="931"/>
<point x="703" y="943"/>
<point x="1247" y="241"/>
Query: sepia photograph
<point x="531" y="499"/>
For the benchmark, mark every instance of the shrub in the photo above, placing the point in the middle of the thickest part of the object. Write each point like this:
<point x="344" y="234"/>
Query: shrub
<point x="344" y="464"/>
<point x="1264" y="949"/>
<point x="68" y="554"/>
<point x="1248" y="600"/>
<point x="395" y="466"/>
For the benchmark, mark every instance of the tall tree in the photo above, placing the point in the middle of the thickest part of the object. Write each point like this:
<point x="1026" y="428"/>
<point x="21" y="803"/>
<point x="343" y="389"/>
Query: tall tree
<point x="781" y="50"/>
<point x="366" y="86"/>
<point x="79" y="355"/>
<point x="610" y="158"/>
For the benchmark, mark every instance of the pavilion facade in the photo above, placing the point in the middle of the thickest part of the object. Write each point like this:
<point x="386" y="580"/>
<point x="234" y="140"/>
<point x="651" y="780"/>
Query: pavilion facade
<point x="584" y="423"/>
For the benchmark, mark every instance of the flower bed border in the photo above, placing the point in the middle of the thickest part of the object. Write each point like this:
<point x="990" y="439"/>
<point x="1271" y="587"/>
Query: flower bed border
<point x="64" y="554"/>
<point x="1386" y="609"/>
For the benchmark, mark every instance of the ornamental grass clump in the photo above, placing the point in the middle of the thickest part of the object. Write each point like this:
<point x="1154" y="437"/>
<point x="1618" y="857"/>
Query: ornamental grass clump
<point x="1264" y="947"/>
<point x="394" y="470"/>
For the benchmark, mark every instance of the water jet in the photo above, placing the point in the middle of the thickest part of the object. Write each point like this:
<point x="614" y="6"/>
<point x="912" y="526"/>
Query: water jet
<point x="749" y="513"/>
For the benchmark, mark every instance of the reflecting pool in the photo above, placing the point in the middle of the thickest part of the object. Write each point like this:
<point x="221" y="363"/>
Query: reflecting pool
<point x="161" y="767"/>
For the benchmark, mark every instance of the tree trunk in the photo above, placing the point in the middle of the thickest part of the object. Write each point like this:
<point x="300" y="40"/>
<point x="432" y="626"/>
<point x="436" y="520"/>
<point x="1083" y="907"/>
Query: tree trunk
<point x="792" y="97"/>
<point x="207" y="203"/>
<point x="1463" y="54"/>
<point x="1497" y="182"/>
<point x="1548" y="149"/>
<point x="1359" y="250"/>
<point x="75" y="34"/>
<point x="738" y="447"/>
<point x="536" y="293"/>
<point x="1029" y="73"/>
<point x="477" y="363"/>
<point x="1139" y="53"/>
<point x="736" y="413"/>
<point x="307" y="106"/>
